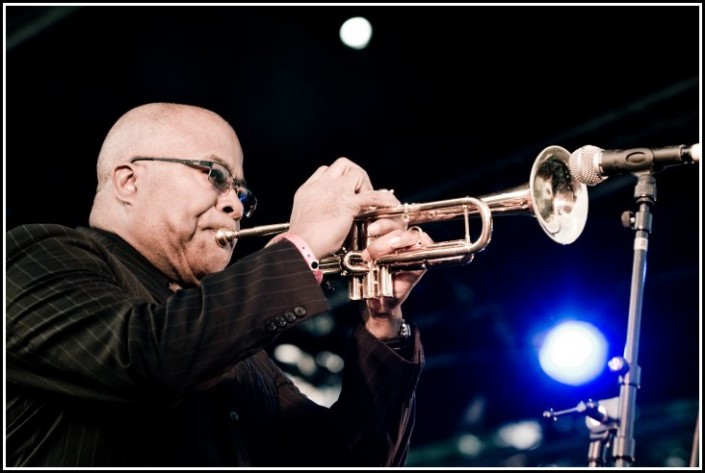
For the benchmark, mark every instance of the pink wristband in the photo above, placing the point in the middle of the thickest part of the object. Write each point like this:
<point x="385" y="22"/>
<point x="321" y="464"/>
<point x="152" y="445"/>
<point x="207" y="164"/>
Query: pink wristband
<point x="305" y="252"/>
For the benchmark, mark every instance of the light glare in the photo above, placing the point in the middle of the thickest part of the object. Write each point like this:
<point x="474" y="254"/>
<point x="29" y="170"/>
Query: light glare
<point x="574" y="353"/>
<point x="356" y="32"/>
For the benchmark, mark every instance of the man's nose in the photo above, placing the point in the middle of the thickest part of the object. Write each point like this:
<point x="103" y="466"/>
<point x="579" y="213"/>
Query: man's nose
<point x="229" y="203"/>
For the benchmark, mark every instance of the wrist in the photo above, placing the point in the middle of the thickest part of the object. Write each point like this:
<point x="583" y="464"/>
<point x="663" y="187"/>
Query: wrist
<point x="305" y="250"/>
<point x="381" y="326"/>
<point x="387" y="328"/>
<point x="401" y="340"/>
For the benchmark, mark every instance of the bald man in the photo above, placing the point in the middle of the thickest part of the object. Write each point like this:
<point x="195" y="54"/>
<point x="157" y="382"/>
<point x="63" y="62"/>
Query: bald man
<point x="132" y="342"/>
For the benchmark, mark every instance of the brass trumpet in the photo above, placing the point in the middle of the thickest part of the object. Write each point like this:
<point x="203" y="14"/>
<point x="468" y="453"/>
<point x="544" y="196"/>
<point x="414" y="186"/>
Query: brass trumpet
<point x="552" y="195"/>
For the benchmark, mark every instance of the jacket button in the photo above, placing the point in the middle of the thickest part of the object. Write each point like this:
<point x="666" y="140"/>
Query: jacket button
<point x="270" y="325"/>
<point x="281" y="321"/>
<point x="299" y="311"/>
<point x="289" y="316"/>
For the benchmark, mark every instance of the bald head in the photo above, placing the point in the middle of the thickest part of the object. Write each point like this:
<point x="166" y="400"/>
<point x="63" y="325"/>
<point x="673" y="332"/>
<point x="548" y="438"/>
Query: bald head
<point x="167" y="211"/>
<point x="129" y="193"/>
<point x="155" y="129"/>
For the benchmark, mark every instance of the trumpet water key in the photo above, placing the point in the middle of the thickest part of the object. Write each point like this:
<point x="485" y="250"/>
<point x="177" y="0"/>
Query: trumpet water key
<point x="552" y="195"/>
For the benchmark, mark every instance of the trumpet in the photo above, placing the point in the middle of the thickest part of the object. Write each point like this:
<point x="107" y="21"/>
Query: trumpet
<point x="557" y="200"/>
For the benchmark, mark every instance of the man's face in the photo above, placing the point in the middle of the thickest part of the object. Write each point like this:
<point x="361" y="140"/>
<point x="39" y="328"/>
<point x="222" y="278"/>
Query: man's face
<point x="180" y="208"/>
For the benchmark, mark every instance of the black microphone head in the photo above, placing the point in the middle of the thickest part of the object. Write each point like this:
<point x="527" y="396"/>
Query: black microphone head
<point x="584" y="165"/>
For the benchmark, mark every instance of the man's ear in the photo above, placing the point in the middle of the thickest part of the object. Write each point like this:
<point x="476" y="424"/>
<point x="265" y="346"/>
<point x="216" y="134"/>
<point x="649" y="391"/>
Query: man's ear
<point x="124" y="182"/>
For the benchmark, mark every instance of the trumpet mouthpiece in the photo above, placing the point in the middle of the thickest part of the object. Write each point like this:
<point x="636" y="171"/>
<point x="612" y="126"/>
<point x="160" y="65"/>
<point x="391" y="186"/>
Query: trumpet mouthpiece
<point x="224" y="237"/>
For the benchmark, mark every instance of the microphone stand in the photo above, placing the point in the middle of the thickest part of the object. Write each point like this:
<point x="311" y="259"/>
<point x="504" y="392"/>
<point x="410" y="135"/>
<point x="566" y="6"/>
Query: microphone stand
<point x="641" y="223"/>
<point x="611" y="421"/>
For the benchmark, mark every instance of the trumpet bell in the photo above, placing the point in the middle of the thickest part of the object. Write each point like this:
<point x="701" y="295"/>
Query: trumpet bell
<point x="557" y="200"/>
<point x="560" y="202"/>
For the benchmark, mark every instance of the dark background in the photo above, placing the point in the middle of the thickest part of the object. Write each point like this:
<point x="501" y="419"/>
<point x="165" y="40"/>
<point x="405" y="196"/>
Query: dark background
<point x="446" y="102"/>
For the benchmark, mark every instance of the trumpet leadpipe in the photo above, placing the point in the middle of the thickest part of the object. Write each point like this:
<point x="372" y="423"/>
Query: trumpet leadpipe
<point x="224" y="236"/>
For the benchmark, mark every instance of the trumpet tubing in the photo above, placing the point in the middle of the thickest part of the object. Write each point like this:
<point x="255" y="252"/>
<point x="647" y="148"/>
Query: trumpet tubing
<point x="552" y="195"/>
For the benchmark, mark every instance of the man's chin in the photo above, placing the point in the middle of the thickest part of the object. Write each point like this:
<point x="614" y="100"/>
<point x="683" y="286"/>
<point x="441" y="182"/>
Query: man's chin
<point x="209" y="267"/>
<point x="219" y="261"/>
<point x="213" y="257"/>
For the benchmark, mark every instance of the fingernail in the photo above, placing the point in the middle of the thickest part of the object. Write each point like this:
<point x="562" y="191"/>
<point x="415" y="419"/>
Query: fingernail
<point x="394" y="242"/>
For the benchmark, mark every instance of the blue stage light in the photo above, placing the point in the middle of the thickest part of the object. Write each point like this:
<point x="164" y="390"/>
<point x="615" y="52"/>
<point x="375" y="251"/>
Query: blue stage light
<point x="573" y="353"/>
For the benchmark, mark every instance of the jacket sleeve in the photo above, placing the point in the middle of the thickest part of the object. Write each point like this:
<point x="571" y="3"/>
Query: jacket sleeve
<point x="79" y="323"/>
<point x="371" y="422"/>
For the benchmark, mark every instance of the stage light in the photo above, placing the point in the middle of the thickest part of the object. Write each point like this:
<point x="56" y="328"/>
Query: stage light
<point x="573" y="353"/>
<point x="331" y="361"/>
<point x="470" y="445"/>
<point x="294" y="356"/>
<point x="523" y="435"/>
<point x="356" y="32"/>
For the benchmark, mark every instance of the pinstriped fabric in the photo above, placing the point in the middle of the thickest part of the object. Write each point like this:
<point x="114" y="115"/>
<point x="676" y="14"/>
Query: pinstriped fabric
<point x="107" y="367"/>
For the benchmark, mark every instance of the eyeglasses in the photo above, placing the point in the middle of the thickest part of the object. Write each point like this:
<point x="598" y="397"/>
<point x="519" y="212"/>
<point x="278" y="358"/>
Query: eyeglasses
<point x="220" y="177"/>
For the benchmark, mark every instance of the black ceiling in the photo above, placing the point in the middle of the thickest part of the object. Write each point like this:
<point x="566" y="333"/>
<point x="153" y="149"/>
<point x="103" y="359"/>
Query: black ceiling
<point x="446" y="102"/>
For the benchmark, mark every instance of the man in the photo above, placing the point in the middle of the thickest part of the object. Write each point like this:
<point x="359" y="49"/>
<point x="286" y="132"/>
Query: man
<point x="134" y="342"/>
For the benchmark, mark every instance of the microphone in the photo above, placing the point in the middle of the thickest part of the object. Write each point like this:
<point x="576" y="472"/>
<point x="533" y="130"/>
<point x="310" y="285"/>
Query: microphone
<point x="592" y="165"/>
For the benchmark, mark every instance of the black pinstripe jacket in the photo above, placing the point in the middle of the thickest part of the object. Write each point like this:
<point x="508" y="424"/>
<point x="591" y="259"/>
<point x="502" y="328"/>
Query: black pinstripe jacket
<point x="106" y="367"/>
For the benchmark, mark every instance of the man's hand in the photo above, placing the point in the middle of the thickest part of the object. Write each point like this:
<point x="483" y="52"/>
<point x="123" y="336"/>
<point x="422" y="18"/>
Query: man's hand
<point x="327" y="203"/>
<point x="383" y="317"/>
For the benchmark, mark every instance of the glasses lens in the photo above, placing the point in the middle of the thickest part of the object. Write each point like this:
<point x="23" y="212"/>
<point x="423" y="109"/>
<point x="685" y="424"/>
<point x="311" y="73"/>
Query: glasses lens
<point x="248" y="199"/>
<point x="218" y="176"/>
